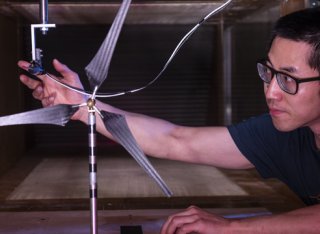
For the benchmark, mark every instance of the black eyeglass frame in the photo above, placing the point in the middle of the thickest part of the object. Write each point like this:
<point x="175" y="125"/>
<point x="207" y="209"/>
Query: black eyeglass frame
<point x="275" y="72"/>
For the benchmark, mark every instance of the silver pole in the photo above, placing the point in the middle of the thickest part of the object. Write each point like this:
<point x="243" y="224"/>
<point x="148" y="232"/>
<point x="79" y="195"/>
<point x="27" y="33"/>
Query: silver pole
<point x="92" y="168"/>
<point x="43" y="14"/>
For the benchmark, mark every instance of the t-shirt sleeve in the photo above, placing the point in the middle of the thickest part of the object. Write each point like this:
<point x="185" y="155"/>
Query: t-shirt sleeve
<point x="256" y="138"/>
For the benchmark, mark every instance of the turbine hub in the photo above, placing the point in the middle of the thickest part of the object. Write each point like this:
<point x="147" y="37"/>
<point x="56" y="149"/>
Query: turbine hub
<point x="91" y="103"/>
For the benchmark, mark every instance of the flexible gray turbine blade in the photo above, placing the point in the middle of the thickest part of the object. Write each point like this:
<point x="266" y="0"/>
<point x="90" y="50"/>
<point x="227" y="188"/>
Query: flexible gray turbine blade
<point x="117" y="125"/>
<point x="56" y="115"/>
<point x="97" y="69"/>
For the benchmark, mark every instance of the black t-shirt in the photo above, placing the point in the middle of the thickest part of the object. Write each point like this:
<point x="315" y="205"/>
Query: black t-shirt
<point x="292" y="157"/>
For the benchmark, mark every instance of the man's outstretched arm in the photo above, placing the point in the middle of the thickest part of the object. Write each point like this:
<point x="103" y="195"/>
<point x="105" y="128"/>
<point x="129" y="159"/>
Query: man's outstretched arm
<point x="157" y="137"/>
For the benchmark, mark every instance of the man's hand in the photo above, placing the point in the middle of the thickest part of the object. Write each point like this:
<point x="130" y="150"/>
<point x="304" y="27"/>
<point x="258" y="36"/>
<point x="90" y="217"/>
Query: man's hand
<point x="51" y="93"/>
<point x="194" y="220"/>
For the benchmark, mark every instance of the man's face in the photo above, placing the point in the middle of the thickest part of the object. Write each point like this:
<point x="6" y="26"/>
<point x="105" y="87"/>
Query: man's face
<point x="288" y="111"/>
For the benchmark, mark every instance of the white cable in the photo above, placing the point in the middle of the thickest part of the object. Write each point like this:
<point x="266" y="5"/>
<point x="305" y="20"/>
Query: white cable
<point x="180" y="44"/>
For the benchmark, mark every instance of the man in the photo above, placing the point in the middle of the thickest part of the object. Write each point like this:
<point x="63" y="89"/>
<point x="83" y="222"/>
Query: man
<point x="283" y="144"/>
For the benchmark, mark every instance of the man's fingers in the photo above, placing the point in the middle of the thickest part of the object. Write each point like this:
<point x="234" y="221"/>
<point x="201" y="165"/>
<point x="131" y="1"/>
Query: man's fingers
<point x="23" y="65"/>
<point x="30" y="83"/>
<point x="176" y="222"/>
<point x="38" y="92"/>
<point x="61" y="68"/>
<point x="188" y="228"/>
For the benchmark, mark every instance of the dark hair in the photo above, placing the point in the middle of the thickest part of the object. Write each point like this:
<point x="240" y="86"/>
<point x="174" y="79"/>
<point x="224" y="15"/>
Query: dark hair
<point x="303" y="25"/>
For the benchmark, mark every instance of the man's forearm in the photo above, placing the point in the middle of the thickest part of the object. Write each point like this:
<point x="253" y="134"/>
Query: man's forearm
<point x="159" y="138"/>
<point x="152" y="134"/>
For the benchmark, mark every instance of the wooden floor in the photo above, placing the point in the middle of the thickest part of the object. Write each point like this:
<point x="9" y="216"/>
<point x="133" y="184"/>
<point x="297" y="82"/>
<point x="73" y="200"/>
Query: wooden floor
<point x="262" y="196"/>
<point x="147" y="221"/>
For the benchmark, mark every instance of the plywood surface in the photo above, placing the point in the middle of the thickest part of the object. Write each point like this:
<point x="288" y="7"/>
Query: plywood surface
<point x="64" y="178"/>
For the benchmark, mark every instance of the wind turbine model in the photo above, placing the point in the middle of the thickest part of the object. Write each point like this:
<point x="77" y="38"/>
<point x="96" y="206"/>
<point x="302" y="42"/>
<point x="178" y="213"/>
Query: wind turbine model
<point x="97" y="72"/>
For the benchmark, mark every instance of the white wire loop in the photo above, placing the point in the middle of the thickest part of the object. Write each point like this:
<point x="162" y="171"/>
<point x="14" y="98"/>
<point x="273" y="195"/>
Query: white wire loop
<point x="177" y="48"/>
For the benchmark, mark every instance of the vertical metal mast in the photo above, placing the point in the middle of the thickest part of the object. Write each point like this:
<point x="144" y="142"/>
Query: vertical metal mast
<point x="93" y="185"/>
<point x="43" y="14"/>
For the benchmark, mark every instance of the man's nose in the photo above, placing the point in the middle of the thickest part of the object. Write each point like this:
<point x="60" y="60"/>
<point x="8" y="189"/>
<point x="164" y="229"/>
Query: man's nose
<point x="273" y="90"/>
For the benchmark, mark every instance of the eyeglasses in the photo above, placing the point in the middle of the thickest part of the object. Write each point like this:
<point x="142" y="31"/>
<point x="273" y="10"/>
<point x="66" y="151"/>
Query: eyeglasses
<point x="286" y="82"/>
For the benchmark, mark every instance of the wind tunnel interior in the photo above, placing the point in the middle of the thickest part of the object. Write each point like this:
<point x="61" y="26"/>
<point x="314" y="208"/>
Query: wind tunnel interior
<point x="211" y="81"/>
